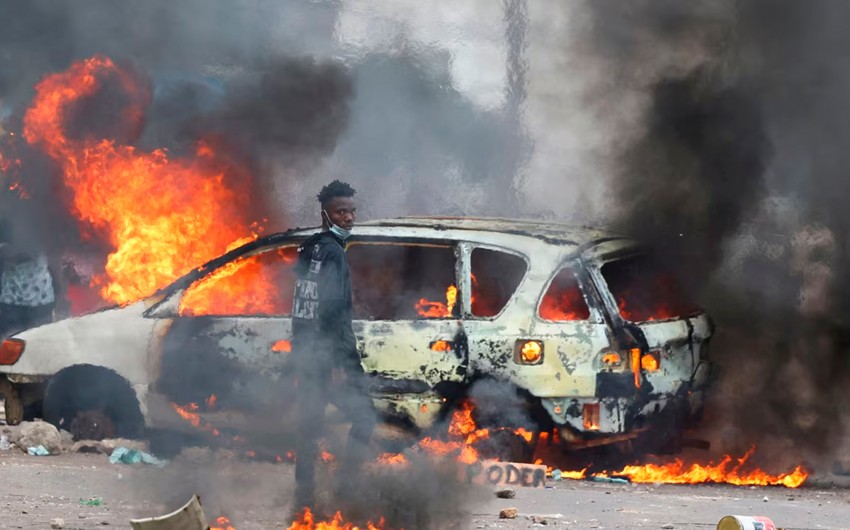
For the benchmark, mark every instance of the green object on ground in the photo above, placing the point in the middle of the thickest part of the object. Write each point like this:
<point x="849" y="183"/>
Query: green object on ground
<point x="124" y="455"/>
<point x="91" y="502"/>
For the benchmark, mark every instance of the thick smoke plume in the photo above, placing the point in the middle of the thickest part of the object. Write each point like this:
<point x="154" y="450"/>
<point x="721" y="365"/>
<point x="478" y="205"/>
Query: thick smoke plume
<point x="267" y="85"/>
<point x="734" y="172"/>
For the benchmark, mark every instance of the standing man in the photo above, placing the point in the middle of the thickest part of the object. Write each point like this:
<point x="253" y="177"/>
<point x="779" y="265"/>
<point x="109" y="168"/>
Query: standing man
<point x="323" y="341"/>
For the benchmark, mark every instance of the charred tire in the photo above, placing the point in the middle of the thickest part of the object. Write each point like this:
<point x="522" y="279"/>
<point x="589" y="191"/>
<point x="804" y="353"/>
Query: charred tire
<point x="506" y="445"/>
<point x="84" y="392"/>
<point x="13" y="404"/>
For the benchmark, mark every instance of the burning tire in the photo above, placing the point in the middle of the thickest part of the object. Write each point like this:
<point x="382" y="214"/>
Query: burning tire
<point x="12" y="400"/>
<point x="93" y="401"/>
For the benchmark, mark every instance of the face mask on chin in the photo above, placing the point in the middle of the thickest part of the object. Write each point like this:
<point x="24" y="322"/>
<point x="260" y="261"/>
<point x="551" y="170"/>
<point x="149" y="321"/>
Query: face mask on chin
<point x="338" y="231"/>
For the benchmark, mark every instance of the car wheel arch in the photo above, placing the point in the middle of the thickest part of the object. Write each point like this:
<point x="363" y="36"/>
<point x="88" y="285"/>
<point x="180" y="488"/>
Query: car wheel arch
<point x="85" y="387"/>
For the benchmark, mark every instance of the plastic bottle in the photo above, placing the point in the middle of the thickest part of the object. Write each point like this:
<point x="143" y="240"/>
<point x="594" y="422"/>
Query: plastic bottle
<point x="4" y="443"/>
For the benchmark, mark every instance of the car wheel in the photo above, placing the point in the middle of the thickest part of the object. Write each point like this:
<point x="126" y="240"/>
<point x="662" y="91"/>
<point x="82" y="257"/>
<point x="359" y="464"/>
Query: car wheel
<point x="12" y="400"/>
<point x="505" y="445"/>
<point x="94" y="401"/>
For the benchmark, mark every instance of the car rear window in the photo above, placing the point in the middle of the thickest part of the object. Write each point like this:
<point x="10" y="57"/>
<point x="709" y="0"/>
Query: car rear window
<point x="563" y="300"/>
<point x="644" y="290"/>
<point x="495" y="277"/>
<point x="261" y="284"/>
<point x="403" y="281"/>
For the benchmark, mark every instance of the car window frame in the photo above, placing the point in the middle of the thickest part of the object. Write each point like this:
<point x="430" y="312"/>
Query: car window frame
<point x="453" y="244"/>
<point x="465" y="249"/>
<point x="169" y="306"/>
<point x="607" y="295"/>
<point x="583" y="278"/>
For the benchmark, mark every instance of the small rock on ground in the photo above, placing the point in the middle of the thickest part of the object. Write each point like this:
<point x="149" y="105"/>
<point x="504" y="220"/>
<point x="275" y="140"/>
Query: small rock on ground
<point x="508" y="513"/>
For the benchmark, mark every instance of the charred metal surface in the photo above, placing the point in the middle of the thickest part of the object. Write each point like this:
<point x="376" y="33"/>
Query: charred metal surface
<point x="615" y="385"/>
<point x="188" y="359"/>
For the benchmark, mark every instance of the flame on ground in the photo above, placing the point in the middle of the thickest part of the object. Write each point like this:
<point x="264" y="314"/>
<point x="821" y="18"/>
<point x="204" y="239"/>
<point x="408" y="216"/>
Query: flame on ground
<point x="728" y="470"/>
<point x="162" y="215"/>
<point x="222" y="523"/>
<point x="306" y="521"/>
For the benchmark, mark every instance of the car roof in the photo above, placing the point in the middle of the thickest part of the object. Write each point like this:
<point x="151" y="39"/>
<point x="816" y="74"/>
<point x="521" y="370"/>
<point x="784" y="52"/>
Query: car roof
<point x="546" y="231"/>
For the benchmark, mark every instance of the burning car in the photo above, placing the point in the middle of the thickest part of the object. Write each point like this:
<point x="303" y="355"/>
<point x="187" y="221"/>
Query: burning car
<point x="595" y="339"/>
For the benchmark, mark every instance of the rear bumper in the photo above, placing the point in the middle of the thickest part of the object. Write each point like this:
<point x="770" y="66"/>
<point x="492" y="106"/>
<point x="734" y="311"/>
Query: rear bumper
<point x="618" y="409"/>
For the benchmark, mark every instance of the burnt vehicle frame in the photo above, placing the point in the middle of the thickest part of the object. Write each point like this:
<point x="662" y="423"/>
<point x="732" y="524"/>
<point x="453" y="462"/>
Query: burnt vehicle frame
<point x="596" y="378"/>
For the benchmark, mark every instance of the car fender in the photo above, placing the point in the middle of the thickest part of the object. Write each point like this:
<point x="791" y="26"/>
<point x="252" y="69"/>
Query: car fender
<point x="115" y="338"/>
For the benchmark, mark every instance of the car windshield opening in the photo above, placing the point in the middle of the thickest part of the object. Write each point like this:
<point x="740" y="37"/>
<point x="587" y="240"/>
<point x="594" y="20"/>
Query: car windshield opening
<point x="400" y="281"/>
<point x="644" y="290"/>
<point x="261" y="284"/>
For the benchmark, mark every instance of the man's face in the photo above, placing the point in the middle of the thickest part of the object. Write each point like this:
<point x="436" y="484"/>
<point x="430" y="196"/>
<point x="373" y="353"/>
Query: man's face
<point x="342" y="211"/>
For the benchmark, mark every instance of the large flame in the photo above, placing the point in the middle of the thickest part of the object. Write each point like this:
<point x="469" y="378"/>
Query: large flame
<point x="162" y="215"/>
<point x="728" y="470"/>
<point x="306" y="521"/>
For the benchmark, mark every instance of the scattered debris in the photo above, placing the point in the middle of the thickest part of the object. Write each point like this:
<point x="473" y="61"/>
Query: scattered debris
<point x="35" y="433"/>
<point x="124" y="455"/>
<point x="607" y="480"/>
<point x="5" y="445"/>
<point x="188" y="517"/>
<point x="506" y="494"/>
<point x="38" y="450"/>
<point x="667" y="526"/>
<point x="57" y="523"/>
<point x="508" y="513"/>
<point x="537" y="519"/>
<point x="94" y="501"/>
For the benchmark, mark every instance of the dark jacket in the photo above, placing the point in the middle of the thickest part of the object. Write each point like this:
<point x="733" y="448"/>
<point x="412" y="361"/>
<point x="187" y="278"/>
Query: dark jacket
<point x="321" y="308"/>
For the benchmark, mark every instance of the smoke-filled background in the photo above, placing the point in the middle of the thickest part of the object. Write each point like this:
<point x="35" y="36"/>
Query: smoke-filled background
<point x="713" y="129"/>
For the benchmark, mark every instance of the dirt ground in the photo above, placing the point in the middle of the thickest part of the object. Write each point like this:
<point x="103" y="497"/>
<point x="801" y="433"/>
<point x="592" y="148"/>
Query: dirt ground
<point x="255" y="495"/>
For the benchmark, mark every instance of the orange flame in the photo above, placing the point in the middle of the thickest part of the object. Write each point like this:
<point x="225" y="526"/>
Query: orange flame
<point x="725" y="471"/>
<point x="282" y="345"/>
<point x="189" y="413"/>
<point x="162" y="215"/>
<point x="223" y="524"/>
<point x="306" y="521"/>
<point x="429" y="309"/>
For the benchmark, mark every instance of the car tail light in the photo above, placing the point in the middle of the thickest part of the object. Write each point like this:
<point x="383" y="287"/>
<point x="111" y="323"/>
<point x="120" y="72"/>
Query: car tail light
<point x="635" y="356"/>
<point x="528" y="352"/>
<point x="11" y="350"/>
<point x="651" y="361"/>
<point x="611" y="358"/>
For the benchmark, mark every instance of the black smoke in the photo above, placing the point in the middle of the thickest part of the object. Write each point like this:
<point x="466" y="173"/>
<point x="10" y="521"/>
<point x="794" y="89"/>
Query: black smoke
<point x="736" y="174"/>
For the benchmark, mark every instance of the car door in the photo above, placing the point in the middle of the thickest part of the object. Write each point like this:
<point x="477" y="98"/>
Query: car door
<point x="406" y="314"/>
<point x="224" y="340"/>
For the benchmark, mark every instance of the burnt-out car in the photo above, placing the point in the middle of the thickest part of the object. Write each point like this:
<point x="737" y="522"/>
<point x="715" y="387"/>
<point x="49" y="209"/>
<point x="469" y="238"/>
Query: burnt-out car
<point x="594" y="338"/>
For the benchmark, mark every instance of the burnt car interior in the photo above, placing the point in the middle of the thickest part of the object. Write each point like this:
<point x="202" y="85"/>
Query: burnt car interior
<point x="402" y="281"/>
<point x="495" y="277"/>
<point x="645" y="291"/>
<point x="563" y="300"/>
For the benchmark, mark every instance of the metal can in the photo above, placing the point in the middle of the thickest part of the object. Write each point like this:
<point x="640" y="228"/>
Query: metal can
<point x="746" y="522"/>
